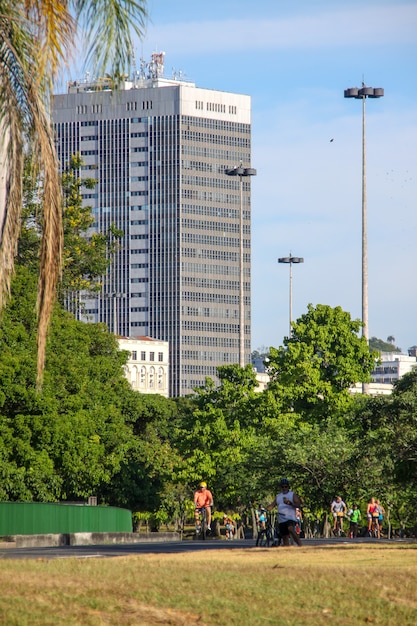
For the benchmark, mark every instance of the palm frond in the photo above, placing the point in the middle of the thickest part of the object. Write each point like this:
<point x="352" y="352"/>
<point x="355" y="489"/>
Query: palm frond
<point x="109" y="24"/>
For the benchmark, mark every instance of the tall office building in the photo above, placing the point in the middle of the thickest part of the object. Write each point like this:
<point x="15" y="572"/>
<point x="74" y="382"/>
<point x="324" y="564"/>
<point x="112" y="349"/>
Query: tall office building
<point x="160" y="150"/>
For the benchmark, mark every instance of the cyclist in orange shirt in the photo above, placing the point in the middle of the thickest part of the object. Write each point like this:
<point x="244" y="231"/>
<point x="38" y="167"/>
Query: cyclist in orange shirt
<point x="203" y="499"/>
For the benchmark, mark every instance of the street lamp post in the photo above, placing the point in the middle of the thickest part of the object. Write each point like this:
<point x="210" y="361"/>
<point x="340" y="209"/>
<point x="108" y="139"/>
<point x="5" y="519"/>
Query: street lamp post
<point x="241" y="172"/>
<point x="290" y="259"/>
<point x="361" y="93"/>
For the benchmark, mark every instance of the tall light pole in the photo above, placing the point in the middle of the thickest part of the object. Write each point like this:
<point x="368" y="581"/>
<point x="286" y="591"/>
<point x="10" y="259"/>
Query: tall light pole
<point x="241" y="172"/>
<point x="361" y="93"/>
<point x="291" y="259"/>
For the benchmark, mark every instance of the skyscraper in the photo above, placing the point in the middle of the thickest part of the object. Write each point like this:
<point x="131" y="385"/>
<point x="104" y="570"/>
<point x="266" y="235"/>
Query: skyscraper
<point x="160" y="149"/>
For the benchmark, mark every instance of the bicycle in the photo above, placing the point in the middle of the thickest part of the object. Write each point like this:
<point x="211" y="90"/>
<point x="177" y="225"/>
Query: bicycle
<point x="374" y="530"/>
<point x="201" y="527"/>
<point x="268" y="535"/>
<point x="338" y="531"/>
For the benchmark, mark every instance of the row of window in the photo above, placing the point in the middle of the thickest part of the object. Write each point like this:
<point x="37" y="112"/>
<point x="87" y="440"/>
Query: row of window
<point x="213" y="283"/>
<point x="212" y="240"/>
<point x="210" y="327"/>
<point x="217" y="107"/>
<point x="225" y="227"/>
<point x="216" y="154"/>
<point x="224" y="140"/>
<point x="83" y="109"/>
<point x="198" y="296"/>
<point x="213" y="196"/>
<point x="205" y="311"/>
<point x="203" y="268"/>
<point x="203" y="370"/>
<point x="216" y="183"/>
<point x="95" y="137"/>
<point x="143" y="356"/>
<point x="205" y="355"/>
<point x="211" y="211"/>
<point x="136" y="106"/>
<point x="214" y="341"/>
<point x="200" y="166"/>
<point x="215" y="255"/>
<point x="201" y="122"/>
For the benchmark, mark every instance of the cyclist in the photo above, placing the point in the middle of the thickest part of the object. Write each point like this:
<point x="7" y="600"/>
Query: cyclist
<point x="230" y="527"/>
<point x="288" y="502"/>
<point x="203" y="499"/>
<point x="261" y="517"/>
<point x="338" y="509"/>
<point x="371" y="513"/>
<point x="381" y="513"/>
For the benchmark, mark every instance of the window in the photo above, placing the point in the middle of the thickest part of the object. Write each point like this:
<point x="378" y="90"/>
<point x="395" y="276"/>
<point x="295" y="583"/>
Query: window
<point x="143" y="356"/>
<point x="134" y="355"/>
<point x="152" y="356"/>
<point x="160" y="356"/>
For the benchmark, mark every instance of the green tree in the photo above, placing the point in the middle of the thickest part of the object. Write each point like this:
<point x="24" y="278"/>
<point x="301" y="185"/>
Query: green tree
<point x="324" y="357"/>
<point x="68" y="441"/>
<point x="379" y="345"/>
<point x="86" y="257"/>
<point x="217" y="436"/>
<point x="42" y="34"/>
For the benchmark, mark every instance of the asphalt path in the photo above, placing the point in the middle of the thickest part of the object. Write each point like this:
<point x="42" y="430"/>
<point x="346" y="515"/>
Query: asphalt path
<point x="163" y="547"/>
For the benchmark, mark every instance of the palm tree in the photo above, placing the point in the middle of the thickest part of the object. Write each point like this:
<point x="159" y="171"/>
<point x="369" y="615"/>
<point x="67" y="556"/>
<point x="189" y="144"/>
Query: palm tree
<point x="37" y="38"/>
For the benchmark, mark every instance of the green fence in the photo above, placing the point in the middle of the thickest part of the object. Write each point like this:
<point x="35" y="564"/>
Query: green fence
<point x="36" y="518"/>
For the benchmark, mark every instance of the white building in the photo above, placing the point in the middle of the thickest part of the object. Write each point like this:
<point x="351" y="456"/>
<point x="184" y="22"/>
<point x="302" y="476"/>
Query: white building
<point x="148" y="363"/>
<point x="392" y="367"/>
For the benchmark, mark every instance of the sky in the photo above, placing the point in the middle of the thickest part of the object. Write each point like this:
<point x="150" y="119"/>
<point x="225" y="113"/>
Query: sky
<point x="295" y="59"/>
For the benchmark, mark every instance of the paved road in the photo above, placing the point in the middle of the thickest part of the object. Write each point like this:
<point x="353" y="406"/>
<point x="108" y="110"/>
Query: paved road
<point x="166" y="547"/>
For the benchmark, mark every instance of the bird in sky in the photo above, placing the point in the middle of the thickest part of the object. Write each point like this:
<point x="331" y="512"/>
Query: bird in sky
<point x="331" y="140"/>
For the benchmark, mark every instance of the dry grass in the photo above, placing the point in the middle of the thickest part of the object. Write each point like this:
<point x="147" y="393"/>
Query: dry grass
<point x="347" y="585"/>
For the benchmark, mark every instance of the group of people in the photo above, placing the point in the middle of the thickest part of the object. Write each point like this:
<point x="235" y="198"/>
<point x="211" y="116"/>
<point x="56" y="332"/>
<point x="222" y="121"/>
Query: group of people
<point x="374" y="513"/>
<point x="287" y="501"/>
<point x="289" y="514"/>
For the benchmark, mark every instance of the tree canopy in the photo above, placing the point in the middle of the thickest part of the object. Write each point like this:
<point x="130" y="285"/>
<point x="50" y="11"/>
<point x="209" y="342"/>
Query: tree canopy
<point x="41" y="35"/>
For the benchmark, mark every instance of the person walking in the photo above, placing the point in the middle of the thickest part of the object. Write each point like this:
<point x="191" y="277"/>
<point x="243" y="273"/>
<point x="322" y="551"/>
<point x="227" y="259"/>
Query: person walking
<point x="355" y="517"/>
<point x="287" y="502"/>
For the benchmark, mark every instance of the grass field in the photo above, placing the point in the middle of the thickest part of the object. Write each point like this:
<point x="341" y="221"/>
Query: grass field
<point x="314" y="585"/>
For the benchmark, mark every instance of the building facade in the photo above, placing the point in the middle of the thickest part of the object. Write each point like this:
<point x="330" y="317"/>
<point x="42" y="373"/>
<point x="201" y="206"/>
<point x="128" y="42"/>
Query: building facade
<point x="159" y="150"/>
<point x="392" y="367"/>
<point x="147" y="366"/>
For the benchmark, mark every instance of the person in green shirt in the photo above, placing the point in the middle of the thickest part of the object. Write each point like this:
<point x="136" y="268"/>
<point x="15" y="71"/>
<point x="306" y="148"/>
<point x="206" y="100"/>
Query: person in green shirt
<point x="355" y="517"/>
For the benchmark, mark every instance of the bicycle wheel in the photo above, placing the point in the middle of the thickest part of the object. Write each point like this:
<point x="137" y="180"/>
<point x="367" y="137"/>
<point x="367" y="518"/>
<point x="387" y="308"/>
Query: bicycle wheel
<point x="203" y="524"/>
<point x="262" y="540"/>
